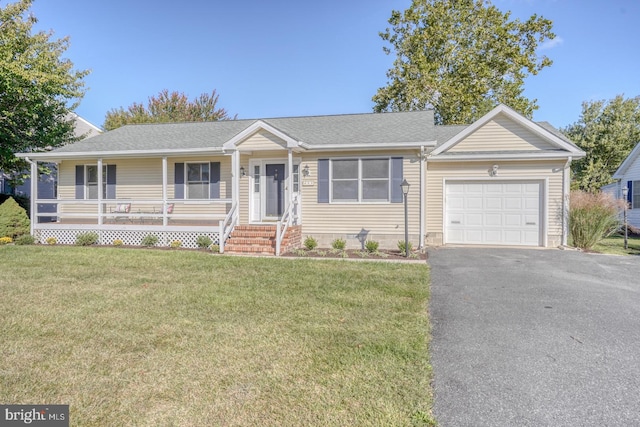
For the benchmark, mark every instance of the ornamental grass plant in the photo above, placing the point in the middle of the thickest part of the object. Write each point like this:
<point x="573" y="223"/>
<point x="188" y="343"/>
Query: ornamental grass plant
<point x="593" y="217"/>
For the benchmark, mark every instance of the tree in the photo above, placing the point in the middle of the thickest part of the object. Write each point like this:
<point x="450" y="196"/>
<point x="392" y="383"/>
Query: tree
<point x="38" y="88"/>
<point x="462" y="58"/>
<point x="167" y="108"/>
<point x="14" y="221"/>
<point x="607" y="131"/>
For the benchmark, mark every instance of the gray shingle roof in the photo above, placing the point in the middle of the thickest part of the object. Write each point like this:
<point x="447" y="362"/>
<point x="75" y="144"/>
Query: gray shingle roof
<point x="382" y="128"/>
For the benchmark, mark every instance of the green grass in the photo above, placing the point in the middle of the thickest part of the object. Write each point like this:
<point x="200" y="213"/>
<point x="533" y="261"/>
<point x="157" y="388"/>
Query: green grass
<point x="614" y="245"/>
<point x="150" y="337"/>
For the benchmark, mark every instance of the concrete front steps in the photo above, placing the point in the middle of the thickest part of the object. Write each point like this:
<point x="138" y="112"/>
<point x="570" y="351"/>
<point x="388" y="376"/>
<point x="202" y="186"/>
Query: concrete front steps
<point x="261" y="239"/>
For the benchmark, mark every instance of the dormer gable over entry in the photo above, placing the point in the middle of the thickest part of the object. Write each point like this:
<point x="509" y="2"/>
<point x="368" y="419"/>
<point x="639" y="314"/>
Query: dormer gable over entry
<point x="261" y="136"/>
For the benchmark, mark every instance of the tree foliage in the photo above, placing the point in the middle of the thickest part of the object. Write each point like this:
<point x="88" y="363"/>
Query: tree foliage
<point x="607" y="131"/>
<point x="462" y="58"/>
<point x="38" y="87"/>
<point x="14" y="221"/>
<point x="168" y="108"/>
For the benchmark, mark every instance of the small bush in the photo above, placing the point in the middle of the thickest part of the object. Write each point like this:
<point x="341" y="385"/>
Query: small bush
<point x="117" y="242"/>
<point x="149" y="240"/>
<point x="23" y="201"/>
<point x="401" y="247"/>
<point x="14" y="221"/>
<point x="204" y="242"/>
<point x="592" y="217"/>
<point x="215" y="249"/>
<point x="175" y="244"/>
<point x="51" y="240"/>
<point x="87" y="239"/>
<point x="25" y="239"/>
<point x="5" y="240"/>
<point x="310" y="243"/>
<point x="371" y="246"/>
<point x="339" y="244"/>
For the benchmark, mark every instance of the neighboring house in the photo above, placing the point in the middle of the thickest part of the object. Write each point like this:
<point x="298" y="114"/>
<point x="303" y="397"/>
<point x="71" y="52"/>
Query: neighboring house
<point x="47" y="182"/>
<point x="504" y="180"/>
<point x="628" y="175"/>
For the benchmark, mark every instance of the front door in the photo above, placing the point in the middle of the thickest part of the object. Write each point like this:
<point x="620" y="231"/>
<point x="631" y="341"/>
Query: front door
<point x="274" y="190"/>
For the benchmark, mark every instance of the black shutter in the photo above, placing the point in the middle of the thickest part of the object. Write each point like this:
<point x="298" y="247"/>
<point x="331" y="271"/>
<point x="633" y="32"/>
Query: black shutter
<point x="111" y="181"/>
<point x="178" y="181"/>
<point x="396" y="179"/>
<point x="79" y="181"/>
<point x="630" y="194"/>
<point x="323" y="181"/>
<point x="214" y="180"/>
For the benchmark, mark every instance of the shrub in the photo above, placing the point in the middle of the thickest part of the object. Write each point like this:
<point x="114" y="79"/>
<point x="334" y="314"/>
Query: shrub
<point x="5" y="240"/>
<point x="215" y="249"/>
<point x="23" y="201"/>
<point x="339" y="244"/>
<point x="149" y="240"/>
<point x="14" y="221"/>
<point x="401" y="247"/>
<point x="310" y="243"/>
<point x="371" y="246"/>
<point x="117" y="242"/>
<point x="87" y="239"/>
<point x="592" y="217"/>
<point x="25" y="239"/>
<point x="51" y="240"/>
<point x="203" y="242"/>
<point x="176" y="244"/>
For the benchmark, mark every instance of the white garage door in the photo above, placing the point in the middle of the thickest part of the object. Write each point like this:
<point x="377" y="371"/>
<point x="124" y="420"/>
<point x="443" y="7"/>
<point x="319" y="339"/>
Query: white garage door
<point x="493" y="213"/>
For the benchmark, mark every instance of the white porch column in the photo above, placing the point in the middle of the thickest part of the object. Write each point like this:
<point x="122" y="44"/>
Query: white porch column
<point x="165" y="220"/>
<point x="290" y="177"/>
<point x="100" y="181"/>
<point x="34" y="194"/>
<point x="235" y="178"/>
<point x="423" y="184"/>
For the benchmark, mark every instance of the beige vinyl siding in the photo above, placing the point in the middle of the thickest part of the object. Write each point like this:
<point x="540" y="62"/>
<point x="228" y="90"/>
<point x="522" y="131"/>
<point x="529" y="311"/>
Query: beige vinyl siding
<point x="262" y="140"/>
<point x="502" y="133"/>
<point x="437" y="172"/>
<point x="379" y="219"/>
<point x="141" y="179"/>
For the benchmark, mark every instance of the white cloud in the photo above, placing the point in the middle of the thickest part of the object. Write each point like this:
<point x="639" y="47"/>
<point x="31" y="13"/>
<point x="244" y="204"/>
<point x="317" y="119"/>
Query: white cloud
<point x="550" y="44"/>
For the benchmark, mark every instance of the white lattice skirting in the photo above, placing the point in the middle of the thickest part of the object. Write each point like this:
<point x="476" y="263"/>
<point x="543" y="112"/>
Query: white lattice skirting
<point x="67" y="236"/>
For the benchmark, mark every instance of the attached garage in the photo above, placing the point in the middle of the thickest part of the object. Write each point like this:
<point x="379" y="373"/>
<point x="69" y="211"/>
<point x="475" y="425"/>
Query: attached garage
<point x="494" y="212"/>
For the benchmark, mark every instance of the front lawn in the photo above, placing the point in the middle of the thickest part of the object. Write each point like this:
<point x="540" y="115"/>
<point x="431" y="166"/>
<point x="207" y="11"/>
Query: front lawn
<point x="149" y="337"/>
<point x="614" y="245"/>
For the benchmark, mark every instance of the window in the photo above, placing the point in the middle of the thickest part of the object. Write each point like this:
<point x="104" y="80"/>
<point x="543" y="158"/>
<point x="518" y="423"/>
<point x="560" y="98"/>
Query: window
<point x="360" y="180"/>
<point x="296" y="178"/>
<point x="91" y="182"/>
<point x="197" y="180"/>
<point x="256" y="179"/>
<point x="635" y="198"/>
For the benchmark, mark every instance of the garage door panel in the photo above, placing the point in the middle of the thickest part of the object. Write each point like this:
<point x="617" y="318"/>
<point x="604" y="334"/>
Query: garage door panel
<point x="493" y="213"/>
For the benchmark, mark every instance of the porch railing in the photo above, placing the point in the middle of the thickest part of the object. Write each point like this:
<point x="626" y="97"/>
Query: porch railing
<point x="226" y="226"/>
<point x="290" y="217"/>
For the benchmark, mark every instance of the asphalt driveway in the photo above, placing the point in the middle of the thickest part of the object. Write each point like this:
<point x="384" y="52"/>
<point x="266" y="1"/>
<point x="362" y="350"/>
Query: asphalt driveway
<point x="535" y="338"/>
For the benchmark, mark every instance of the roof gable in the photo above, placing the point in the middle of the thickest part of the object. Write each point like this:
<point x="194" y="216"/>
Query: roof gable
<point x="503" y="129"/>
<point x="247" y="138"/>
<point x="631" y="159"/>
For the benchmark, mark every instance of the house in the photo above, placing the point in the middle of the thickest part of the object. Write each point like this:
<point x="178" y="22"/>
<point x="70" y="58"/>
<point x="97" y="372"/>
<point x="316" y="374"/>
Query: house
<point x="47" y="182"/>
<point x="503" y="180"/>
<point x="628" y="175"/>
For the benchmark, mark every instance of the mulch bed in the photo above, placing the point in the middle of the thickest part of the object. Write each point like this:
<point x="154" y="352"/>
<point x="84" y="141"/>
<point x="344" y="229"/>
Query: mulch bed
<point x="356" y="254"/>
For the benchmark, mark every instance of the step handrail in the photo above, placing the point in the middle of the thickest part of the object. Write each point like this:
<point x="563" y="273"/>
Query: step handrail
<point x="226" y="226"/>
<point x="289" y="218"/>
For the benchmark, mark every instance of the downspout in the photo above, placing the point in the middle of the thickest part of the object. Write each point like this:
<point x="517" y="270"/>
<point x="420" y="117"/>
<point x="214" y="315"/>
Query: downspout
<point x="422" y="188"/>
<point x="566" y="186"/>
<point x="34" y="194"/>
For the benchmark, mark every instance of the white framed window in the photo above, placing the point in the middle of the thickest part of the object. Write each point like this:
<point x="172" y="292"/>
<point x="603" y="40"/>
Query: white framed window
<point x="197" y="179"/>
<point x="360" y="180"/>
<point x="256" y="179"/>
<point x="296" y="177"/>
<point x="635" y="197"/>
<point x="91" y="182"/>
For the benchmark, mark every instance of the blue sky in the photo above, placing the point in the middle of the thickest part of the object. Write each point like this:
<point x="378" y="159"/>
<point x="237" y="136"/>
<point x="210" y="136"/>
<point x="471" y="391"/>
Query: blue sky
<point x="284" y="58"/>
